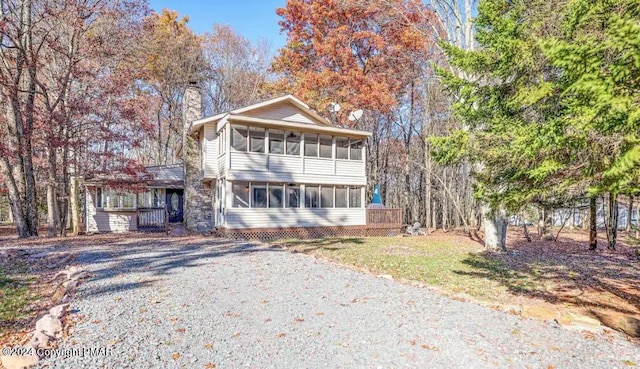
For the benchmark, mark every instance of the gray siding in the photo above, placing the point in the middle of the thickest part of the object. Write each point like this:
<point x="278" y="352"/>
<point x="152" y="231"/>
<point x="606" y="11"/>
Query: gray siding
<point x="107" y="221"/>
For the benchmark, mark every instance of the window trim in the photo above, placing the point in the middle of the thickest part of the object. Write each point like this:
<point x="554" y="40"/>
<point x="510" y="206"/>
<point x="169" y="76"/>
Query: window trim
<point x="107" y="193"/>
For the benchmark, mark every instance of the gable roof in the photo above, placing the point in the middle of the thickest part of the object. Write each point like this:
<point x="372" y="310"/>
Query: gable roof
<point x="303" y="108"/>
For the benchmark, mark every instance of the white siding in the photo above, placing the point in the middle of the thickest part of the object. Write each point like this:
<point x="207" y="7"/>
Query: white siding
<point x="248" y="161"/>
<point x="282" y="111"/>
<point x="350" y="168"/>
<point x="285" y="164"/>
<point x="318" y="166"/>
<point x="248" y="166"/>
<point x="210" y="151"/>
<point x="295" y="178"/>
<point x="283" y="217"/>
<point x="107" y="221"/>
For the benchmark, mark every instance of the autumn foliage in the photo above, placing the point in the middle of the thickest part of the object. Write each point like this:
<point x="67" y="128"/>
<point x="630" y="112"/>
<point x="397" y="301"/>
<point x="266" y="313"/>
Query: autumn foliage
<point x="360" y="54"/>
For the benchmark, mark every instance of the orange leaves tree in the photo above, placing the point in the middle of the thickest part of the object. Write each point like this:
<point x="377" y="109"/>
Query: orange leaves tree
<point x="360" y="54"/>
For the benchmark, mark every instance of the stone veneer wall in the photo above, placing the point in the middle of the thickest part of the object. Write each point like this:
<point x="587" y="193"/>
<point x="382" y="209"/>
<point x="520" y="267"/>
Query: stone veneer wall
<point x="198" y="209"/>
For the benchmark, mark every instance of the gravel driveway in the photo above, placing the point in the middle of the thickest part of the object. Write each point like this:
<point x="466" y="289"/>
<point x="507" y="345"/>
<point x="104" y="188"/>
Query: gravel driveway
<point x="202" y="303"/>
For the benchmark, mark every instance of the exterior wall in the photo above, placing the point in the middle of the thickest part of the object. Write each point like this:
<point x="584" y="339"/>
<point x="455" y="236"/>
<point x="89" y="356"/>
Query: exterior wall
<point x="281" y="111"/>
<point x="106" y="221"/>
<point x="198" y="209"/>
<point x="249" y="166"/>
<point x="210" y="151"/>
<point x="299" y="217"/>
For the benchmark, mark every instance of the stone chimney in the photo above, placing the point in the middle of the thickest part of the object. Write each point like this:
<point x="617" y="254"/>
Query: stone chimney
<point x="198" y="209"/>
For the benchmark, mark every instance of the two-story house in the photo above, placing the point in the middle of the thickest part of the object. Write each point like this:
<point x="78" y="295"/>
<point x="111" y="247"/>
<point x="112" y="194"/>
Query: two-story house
<point x="275" y="166"/>
<point x="272" y="169"/>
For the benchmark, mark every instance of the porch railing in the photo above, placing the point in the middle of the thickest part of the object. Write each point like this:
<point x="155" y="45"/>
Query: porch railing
<point x="153" y="219"/>
<point x="384" y="218"/>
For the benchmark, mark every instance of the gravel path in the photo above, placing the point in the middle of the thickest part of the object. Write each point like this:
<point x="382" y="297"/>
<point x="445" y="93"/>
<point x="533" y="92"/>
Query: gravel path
<point x="178" y="304"/>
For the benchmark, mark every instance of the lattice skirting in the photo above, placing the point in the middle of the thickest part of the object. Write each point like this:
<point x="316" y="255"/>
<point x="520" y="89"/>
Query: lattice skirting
<point x="266" y="234"/>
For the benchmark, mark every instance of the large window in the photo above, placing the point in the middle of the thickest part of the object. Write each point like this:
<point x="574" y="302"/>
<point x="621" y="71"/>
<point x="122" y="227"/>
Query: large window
<point x="276" y="195"/>
<point x="326" y="146"/>
<point x="341" y="197"/>
<point x="276" y="142"/>
<point x="293" y="143"/>
<point x="326" y="200"/>
<point x="149" y="199"/>
<point x="239" y="138"/>
<point x="355" y="198"/>
<point x="256" y="140"/>
<point x="259" y="198"/>
<point x="356" y="150"/>
<point x="342" y="148"/>
<point x="293" y="196"/>
<point x="240" y="194"/>
<point x="112" y="199"/>
<point x="312" y="197"/>
<point x="310" y="145"/>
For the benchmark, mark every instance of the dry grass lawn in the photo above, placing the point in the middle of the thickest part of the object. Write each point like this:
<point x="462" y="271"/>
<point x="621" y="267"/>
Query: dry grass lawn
<point x="562" y="275"/>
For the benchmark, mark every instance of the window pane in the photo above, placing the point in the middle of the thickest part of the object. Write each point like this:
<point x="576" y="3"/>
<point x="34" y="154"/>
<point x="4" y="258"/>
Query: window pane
<point x="310" y="145"/>
<point x="240" y="194"/>
<point x="293" y="143"/>
<point x="257" y="140"/>
<point x="113" y="199"/>
<point x="326" y="146"/>
<point x="144" y="199"/>
<point x="293" y="197"/>
<point x="275" y="196"/>
<point x="311" y="197"/>
<point x="356" y="150"/>
<point x="156" y="198"/>
<point x="99" y="198"/>
<point x="276" y="142"/>
<point x="239" y="138"/>
<point x="342" y="148"/>
<point x="259" y="195"/>
<point x="327" y="197"/>
<point x="341" y="197"/>
<point x="354" y="198"/>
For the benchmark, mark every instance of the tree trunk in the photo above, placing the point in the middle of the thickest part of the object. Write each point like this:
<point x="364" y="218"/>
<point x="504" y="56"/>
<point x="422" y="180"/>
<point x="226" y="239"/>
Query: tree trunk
<point x="545" y="225"/>
<point x="52" y="204"/>
<point x="15" y="200"/>
<point x="593" y="224"/>
<point x="629" y="212"/>
<point x="75" y="209"/>
<point x="495" y="229"/>
<point x="612" y="215"/>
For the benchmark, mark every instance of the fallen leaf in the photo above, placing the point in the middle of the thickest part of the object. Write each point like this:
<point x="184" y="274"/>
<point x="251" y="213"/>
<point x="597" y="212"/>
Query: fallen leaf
<point x="319" y="313"/>
<point x="208" y="346"/>
<point x="264" y="301"/>
<point x="180" y="330"/>
<point x="267" y="320"/>
<point x="210" y="366"/>
<point x="173" y="319"/>
<point x="299" y="320"/>
<point x="176" y="356"/>
<point x="96" y="321"/>
<point x="281" y="335"/>
<point x="549" y="366"/>
<point x="235" y="334"/>
<point x="412" y="342"/>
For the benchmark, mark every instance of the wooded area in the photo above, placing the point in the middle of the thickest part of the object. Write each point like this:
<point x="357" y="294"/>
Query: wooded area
<point x="531" y="107"/>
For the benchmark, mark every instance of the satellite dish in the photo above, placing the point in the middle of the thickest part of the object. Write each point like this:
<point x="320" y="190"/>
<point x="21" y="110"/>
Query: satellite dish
<point x="355" y="115"/>
<point x="334" y="107"/>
